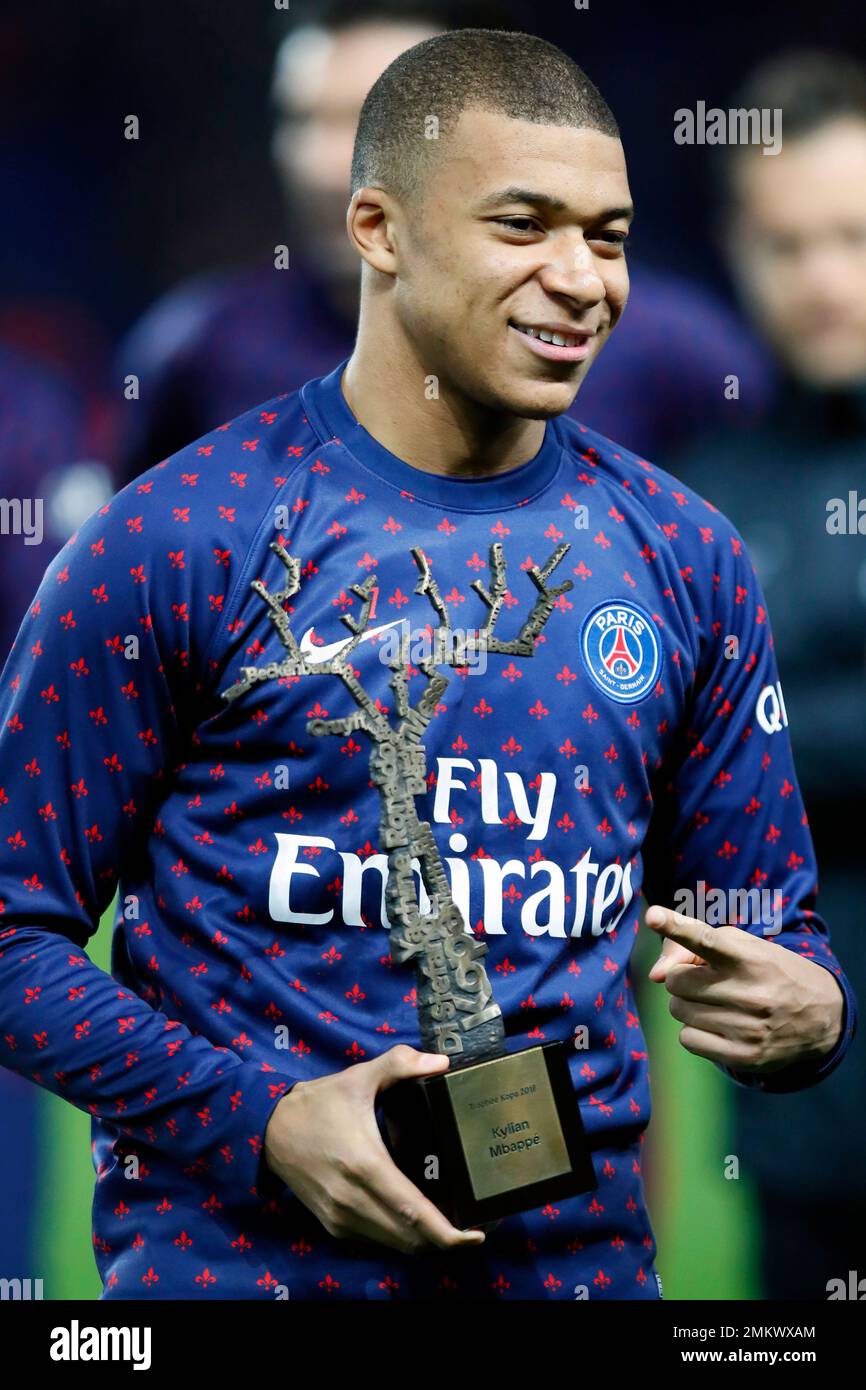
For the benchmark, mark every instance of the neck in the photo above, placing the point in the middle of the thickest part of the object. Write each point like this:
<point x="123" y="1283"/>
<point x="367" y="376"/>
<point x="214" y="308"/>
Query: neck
<point x="387" y="389"/>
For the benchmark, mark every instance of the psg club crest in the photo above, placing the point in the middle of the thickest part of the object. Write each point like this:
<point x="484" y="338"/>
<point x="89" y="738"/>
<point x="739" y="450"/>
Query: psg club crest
<point x="621" y="650"/>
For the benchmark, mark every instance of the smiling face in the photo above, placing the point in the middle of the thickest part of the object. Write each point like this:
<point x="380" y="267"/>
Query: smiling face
<point x="520" y="232"/>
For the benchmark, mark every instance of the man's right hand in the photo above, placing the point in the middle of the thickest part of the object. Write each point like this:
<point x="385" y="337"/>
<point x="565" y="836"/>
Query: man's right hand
<point x="323" y="1141"/>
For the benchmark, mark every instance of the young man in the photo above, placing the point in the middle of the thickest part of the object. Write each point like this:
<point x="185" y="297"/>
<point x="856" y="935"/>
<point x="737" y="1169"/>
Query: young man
<point x="233" y="1062"/>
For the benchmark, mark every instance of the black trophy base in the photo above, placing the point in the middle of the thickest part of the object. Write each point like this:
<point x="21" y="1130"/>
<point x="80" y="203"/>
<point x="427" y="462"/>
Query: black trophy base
<point x="492" y="1138"/>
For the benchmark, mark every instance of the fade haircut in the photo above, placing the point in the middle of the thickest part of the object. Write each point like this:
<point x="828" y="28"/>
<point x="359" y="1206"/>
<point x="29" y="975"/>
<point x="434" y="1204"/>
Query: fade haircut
<point x="518" y="75"/>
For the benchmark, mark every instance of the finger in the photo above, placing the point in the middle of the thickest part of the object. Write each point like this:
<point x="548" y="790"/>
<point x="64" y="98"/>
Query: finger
<point x="407" y="1208"/>
<point x="717" y="1049"/>
<point x="399" y="1063"/>
<point x="672" y="953"/>
<point x="397" y="1215"/>
<point x="405" y="1203"/>
<point x="704" y="983"/>
<point x="376" y="1222"/>
<point x="716" y="945"/>
<point x="380" y="1176"/>
<point x="372" y="1223"/>
<point x="709" y="1018"/>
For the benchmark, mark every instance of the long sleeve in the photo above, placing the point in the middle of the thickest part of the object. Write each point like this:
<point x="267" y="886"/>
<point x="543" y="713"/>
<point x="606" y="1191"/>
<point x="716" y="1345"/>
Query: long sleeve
<point x="731" y="817"/>
<point x="97" y="705"/>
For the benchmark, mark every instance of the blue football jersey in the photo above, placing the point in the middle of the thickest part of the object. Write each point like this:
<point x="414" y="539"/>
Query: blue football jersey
<point x="642" y="748"/>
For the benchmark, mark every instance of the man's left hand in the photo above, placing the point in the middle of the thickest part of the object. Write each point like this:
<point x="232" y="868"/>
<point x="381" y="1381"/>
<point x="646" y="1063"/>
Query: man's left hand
<point x="746" y="1002"/>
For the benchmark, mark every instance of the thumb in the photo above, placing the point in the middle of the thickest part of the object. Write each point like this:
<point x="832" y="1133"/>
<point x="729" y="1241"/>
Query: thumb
<point x="672" y="953"/>
<point x="402" y="1061"/>
<point x="658" y="919"/>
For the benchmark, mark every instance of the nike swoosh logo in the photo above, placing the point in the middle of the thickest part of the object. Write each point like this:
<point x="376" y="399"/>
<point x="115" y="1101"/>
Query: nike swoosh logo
<point x="330" y="649"/>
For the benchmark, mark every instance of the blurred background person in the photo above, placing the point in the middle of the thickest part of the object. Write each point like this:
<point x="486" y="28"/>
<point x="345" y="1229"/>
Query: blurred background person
<point x="225" y="340"/>
<point x="794" y="234"/>
<point x="50" y="481"/>
<point x="56" y="446"/>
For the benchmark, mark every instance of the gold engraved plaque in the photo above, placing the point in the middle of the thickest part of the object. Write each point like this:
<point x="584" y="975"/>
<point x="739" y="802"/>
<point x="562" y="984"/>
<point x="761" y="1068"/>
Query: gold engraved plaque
<point x="507" y="1120"/>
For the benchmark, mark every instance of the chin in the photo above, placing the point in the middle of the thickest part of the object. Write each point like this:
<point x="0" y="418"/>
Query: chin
<point x="832" y="374"/>
<point x="544" y="400"/>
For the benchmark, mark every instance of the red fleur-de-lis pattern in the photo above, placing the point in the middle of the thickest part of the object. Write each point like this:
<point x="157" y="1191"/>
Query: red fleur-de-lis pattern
<point x="250" y="948"/>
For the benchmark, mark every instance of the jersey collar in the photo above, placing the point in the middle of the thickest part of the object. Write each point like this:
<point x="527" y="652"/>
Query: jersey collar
<point x="328" y="412"/>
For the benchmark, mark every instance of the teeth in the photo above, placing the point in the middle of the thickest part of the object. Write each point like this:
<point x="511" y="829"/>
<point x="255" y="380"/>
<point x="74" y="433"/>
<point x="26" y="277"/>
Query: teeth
<point x="558" y="339"/>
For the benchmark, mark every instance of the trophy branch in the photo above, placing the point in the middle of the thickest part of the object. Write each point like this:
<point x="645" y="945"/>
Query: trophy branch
<point x="457" y="1014"/>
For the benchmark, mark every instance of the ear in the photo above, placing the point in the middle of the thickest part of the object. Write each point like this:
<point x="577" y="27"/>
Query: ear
<point x="370" y="226"/>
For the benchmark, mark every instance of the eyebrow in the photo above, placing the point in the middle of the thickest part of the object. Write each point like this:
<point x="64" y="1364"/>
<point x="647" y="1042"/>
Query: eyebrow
<point x="544" y="200"/>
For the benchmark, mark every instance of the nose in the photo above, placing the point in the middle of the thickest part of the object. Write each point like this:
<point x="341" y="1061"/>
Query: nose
<point x="572" y="271"/>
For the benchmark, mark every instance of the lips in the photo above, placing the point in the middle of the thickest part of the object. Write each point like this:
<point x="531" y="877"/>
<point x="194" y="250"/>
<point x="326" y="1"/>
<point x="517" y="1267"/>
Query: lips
<point x="575" y="345"/>
<point x="567" y="337"/>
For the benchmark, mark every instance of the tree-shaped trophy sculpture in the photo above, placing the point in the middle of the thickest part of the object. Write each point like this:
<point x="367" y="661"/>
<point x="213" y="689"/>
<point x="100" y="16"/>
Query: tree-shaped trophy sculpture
<point x="498" y="1132"/>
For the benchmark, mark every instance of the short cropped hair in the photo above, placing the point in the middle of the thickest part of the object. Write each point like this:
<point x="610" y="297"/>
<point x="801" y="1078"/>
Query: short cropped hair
<point x="518" y="75"/>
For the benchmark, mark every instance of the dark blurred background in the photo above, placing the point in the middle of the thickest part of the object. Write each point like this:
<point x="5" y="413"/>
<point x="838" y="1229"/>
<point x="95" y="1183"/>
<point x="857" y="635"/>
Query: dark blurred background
<point x="101" y="225"/>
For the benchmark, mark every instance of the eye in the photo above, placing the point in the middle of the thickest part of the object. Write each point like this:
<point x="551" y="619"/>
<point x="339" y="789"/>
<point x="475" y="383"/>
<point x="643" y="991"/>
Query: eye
<point x="616" y="239"/>
<point x="510" y="222"/>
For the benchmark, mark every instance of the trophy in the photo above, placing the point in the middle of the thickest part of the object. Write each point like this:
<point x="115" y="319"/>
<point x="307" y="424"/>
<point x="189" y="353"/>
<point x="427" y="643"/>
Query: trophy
<point x="500" y="1131"/>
